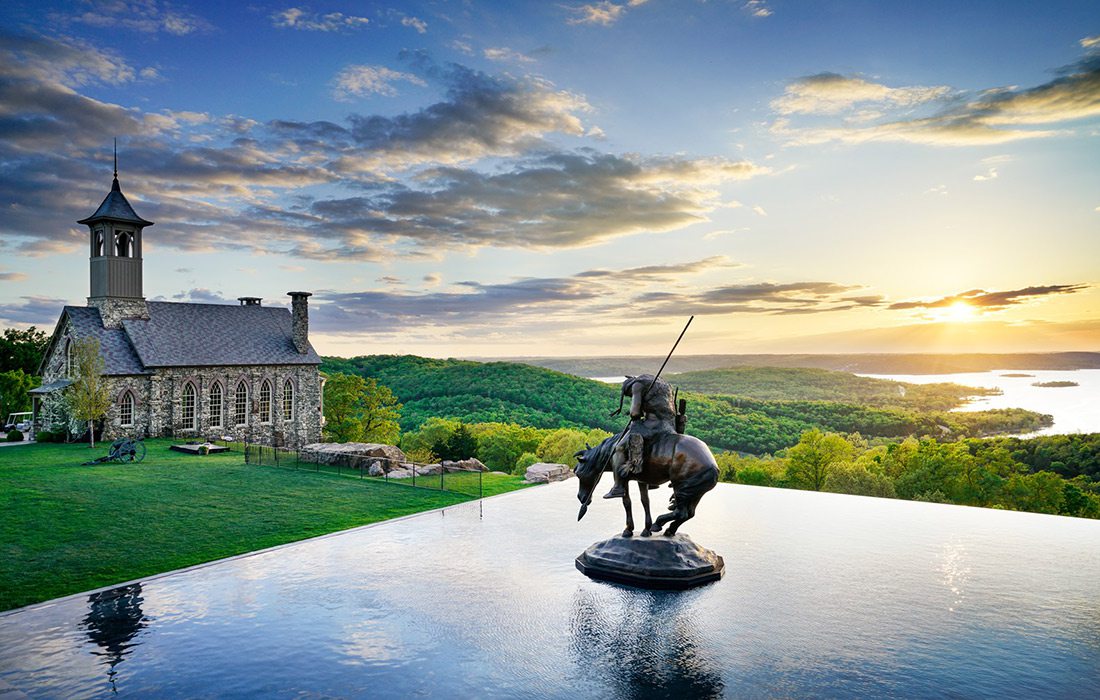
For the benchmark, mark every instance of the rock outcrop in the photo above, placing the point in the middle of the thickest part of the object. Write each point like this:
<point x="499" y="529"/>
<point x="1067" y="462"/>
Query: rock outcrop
<point x="545" y="472"/>
<point x="355" y="455"/>
<point x="465" y="465"/>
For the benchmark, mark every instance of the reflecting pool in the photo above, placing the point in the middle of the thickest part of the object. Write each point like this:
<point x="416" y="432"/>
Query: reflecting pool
<point x="824" y="595"/>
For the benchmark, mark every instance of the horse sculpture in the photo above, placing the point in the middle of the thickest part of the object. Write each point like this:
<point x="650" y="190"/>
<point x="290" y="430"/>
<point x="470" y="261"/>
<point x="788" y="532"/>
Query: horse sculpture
<point x="668" y="456"/>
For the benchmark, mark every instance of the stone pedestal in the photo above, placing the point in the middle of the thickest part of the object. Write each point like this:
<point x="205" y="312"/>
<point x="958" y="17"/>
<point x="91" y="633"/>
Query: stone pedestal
<point x="657" y="562"/>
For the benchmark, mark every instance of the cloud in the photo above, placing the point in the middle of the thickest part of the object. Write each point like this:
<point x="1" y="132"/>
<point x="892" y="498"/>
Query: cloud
<point x="359" y="81"/>
<point x="1090" y="42"/>
<point x="982" y="300"/>
<point x="556" y="200"/>
<point x="146" y="16"/>
<point x="504" y="53"/>
<point x="759" y="210"/>
<point x="592" y="293"/>
<point x="759" y="298"/>
<point x="12" y="276"/>
<point x="993" y="116"/>
<point x="757" y="8"/>
<point x="303" y="19"/>
<point x="479" y="167"/>
<point x="657" y="273"/>
<point x="416" y="23"/>
<point x="830" y="93"/>
<point x="990" y="174"/>
<point x="36" y="310"/>
<point x="604" y="13"/>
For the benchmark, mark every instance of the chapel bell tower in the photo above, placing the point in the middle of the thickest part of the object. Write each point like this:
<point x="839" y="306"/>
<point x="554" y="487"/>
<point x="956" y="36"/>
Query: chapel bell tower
<point x="115" y="243"/>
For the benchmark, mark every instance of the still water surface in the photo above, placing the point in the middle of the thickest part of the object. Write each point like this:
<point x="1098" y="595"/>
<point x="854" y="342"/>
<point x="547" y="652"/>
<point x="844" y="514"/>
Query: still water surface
<point x="1076" y="409"/>
<point x="825" y="595"/>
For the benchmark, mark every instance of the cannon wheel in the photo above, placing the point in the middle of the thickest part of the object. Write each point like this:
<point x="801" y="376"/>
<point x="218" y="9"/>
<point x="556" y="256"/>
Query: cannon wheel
<point x="136" y="453"/>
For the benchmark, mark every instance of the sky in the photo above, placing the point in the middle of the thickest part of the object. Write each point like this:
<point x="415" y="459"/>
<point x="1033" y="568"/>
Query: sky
<point x="459" y="179"/>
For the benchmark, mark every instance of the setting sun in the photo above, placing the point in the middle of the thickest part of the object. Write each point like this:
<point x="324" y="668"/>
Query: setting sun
<point x="958" y="312"/>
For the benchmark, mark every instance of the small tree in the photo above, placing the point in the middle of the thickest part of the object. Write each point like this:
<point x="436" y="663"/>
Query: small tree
<point x="360" y="409"/>
<point x="815" y="456"/>
<point x="460" y="445"/>
<point x="88" y="397"/>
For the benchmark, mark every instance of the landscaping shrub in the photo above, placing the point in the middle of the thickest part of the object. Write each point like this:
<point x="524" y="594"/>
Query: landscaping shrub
<point x="15" y="436"/>
<point x="525" y="460"/>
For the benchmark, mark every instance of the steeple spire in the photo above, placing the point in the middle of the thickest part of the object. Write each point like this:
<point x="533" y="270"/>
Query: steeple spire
<point x="114" y="185"/>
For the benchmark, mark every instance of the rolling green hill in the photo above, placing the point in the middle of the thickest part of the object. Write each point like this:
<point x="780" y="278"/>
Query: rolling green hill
<point x="804" y="384"/>
<point x="506" y="392"/>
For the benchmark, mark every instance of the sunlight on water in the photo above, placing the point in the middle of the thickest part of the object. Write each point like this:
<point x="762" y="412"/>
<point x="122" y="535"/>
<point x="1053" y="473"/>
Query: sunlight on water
<point x="1076" y="409"/>
<point x="824" y="595"/>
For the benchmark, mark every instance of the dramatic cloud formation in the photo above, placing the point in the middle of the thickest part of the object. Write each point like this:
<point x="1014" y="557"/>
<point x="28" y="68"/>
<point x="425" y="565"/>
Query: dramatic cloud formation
<point x="359" y="81"/>
<point x="414" y="183"/>
<point x="982" y="300"/>
<point x="12" y="276"/>
<point x="300" y="18"/>
<point x="997" y="115"/>
<point x="147" y="16"/>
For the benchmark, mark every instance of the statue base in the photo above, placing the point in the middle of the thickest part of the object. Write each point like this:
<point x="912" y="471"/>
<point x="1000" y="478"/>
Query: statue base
<point x="658" y="562"/>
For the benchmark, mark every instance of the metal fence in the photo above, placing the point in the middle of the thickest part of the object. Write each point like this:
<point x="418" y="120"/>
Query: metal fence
<point x="424" y="476"/>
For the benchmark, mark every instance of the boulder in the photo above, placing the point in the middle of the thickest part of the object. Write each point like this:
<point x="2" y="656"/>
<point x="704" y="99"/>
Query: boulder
<point x="471" y="464"/>
<point x="399" y="474"/>
<point x="429" y="470"/>
<point x="376" y="469"/>
<point x="355" y="455"/>
<point x="545" y="472"/>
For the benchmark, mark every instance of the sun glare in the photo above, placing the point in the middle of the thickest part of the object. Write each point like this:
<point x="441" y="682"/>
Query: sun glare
<point x="958" y="312"/>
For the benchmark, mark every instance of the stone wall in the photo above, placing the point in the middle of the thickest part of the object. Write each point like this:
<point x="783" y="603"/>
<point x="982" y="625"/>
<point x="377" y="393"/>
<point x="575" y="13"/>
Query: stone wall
<point x="113" y="309"/>
<point x="167" y="387"/>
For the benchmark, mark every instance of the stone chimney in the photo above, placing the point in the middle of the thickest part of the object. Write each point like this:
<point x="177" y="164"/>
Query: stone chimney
<point x="299" y="310"/>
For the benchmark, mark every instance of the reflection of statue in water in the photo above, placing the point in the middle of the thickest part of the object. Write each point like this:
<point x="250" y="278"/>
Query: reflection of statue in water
<point x="644" y="645"/>
<point x="113" y="620"/>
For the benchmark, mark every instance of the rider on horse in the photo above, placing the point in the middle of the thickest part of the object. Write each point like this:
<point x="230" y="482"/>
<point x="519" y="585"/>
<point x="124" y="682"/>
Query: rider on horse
<point x="652" y="413"/>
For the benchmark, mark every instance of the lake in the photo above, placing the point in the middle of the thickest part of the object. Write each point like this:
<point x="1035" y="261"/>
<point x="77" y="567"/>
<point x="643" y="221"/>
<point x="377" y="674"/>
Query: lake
<point x="1076" y="409"/>
<point x="825" y="595"/>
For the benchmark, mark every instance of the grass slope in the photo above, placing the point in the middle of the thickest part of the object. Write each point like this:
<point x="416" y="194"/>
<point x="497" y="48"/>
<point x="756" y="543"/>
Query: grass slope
<point x="66" y="528"/>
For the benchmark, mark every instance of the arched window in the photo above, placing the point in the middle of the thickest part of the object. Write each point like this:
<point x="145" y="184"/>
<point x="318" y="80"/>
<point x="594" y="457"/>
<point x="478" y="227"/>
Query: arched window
<point x="187" y="407"/>
<point x="288" y="400"/>
<point x="97" y="245"/>
<point x="240" y="404"/>
<point x="265" y="402"/>
<point x="126" y="409"/>
<point x="216" y="405"/>
<point x="69" y="358"/>
<point x="122" y="244"/>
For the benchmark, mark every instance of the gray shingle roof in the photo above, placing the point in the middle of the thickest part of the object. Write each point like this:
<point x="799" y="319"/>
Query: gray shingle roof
<point x="190" y="335"/>
<point x="115" y="207"/>
<point x="118" y="353"/>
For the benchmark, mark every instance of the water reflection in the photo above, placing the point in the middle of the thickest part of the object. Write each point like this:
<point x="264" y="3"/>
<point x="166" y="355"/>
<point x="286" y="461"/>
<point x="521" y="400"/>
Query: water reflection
<point x="114" y="619"/>
<point x="642" y="644"/>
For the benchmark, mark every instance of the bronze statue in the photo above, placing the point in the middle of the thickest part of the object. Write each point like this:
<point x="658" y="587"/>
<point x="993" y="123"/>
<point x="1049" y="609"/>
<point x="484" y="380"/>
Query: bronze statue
<point x="650" y="451"/>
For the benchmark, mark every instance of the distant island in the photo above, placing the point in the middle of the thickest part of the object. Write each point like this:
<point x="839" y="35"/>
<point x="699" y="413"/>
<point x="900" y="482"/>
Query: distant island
<point x="1055" y="385"/>
<point x="883" y="363"/>
<point x="1017" y="374"/>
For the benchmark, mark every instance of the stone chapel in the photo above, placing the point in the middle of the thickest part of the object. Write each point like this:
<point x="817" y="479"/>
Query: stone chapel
<point x="182" y="370"/>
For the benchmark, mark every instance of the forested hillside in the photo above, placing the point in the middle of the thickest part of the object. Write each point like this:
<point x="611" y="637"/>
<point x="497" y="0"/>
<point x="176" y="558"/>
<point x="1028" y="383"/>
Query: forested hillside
<point x="805" y="384"/>
<point x="504" y="392"/>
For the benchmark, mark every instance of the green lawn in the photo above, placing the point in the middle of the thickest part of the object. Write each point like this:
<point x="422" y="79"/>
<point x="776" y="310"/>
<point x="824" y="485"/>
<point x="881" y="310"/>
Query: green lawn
<point x="66" y="528"/>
